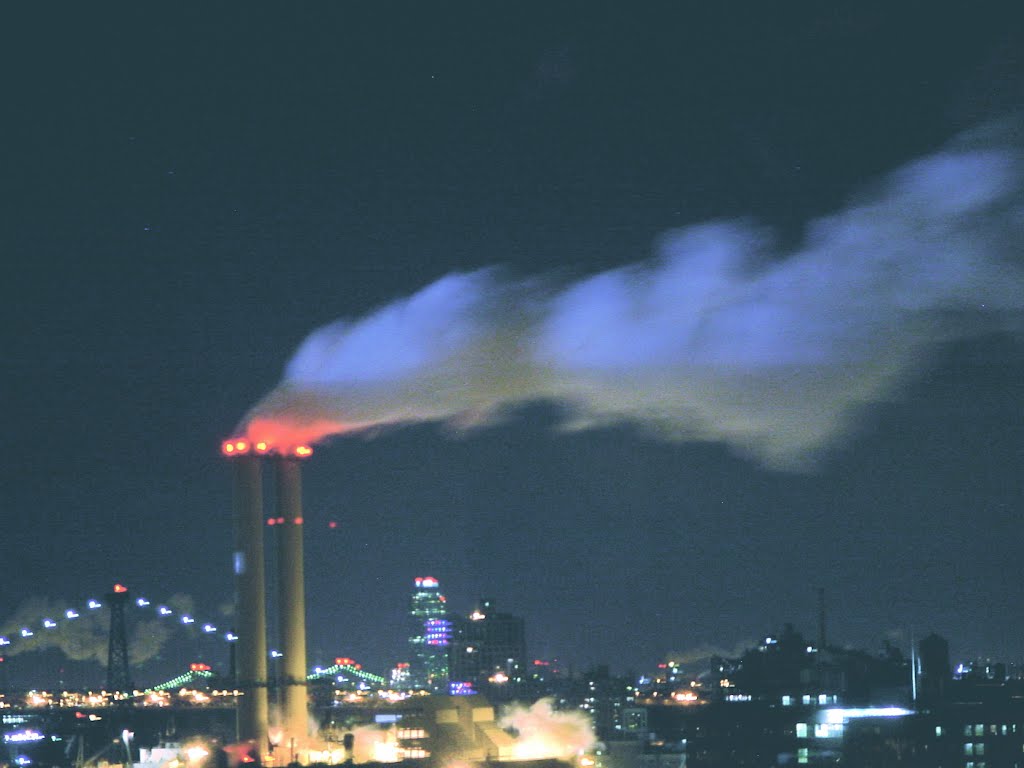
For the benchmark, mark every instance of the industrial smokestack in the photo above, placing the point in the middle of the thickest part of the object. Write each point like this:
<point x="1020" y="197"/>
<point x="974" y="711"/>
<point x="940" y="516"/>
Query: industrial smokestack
<point x="250" y="594"/>
<point x="291" y="601"/>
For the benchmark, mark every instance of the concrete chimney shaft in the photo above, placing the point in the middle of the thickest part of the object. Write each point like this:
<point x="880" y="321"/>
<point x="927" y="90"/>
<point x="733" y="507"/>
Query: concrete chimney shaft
<point x="250" y="601"/>
<point x="291" y="600"/>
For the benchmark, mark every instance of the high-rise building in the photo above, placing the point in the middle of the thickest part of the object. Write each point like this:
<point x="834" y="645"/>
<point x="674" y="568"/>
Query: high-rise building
<point x="488" y="649"/>
<point x="430" y="636"/>
<point x="933" y="668"/>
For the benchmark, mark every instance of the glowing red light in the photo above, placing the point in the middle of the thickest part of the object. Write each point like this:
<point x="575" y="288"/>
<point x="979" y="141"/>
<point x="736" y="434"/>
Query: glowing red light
<point x="302" y="451"/>
<point x="280" y="521"/>
<point x="199" y="667"/>
<point x="332" y="524"/>
<point x="271" y="521"/>
<point x="234" y="446"/>
<point x="262" y="446"/>
<point x="343" y="661"/>
<point x="297" y="521"/>
<point x="120" y="588"/>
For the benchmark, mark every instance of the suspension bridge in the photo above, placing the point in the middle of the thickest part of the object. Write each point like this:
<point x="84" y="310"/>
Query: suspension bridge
<point x="95" y="621"/>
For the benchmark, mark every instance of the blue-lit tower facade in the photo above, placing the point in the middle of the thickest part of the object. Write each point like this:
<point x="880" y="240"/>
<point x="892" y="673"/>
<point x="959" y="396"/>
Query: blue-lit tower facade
<point x="430" y="636"/>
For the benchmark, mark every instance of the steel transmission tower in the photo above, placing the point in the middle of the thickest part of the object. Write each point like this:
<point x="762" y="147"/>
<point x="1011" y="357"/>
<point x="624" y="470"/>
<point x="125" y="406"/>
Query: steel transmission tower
<point x="119" y="679"/>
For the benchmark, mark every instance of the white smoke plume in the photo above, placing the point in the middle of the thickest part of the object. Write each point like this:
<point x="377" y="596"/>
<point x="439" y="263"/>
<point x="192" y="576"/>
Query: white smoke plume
<point x="543" y="732"/>
<point x="721" y="337"/>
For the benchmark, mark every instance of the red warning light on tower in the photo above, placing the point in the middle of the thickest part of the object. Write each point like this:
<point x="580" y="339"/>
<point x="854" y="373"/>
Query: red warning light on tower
<point x="235" y="446"/>
<point x="120" y="588"/>
<point x="239" y="446"/>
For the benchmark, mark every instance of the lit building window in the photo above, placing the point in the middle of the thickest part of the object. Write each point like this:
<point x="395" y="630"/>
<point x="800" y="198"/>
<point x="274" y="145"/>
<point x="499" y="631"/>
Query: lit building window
<point x="802" y="755"/>
<point x="979" y="730"/>
<point x="828" y="730"/>
<point x="787" y="701"/>
<point x="938" y="731"/>
<point x="969" y="748"/>
<point x="801" y="730"/>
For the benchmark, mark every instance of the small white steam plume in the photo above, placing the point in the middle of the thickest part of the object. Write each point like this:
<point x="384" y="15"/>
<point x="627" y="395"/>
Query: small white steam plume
<point x="543" y="732"/>
<point x="721" y="337"/>
<point x="701" y="654"/>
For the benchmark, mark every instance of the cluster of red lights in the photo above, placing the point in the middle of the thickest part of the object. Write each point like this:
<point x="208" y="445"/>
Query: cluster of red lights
<point x="281" y="521"/>
<point x="240" y="446"/>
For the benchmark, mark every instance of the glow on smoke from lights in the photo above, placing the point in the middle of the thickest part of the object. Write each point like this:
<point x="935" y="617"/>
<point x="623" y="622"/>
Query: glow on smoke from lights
<point x="238" y="446"/>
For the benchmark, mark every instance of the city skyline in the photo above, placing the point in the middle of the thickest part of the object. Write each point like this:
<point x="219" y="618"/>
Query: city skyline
<point x="188" y="637"/>
<point x="188" y="214"/>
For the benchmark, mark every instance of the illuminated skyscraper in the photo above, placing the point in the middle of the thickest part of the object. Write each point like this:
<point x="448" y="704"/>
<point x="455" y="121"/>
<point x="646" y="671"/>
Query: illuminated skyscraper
<point x="488" y="650"/>
<point x="430" y="636"/>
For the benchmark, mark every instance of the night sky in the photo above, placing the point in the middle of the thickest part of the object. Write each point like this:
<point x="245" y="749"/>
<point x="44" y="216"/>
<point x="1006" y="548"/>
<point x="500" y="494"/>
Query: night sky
<point x="190" y="193"/>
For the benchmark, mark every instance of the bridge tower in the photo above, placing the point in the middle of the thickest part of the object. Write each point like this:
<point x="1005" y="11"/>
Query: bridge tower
<point x="119" y="679"/>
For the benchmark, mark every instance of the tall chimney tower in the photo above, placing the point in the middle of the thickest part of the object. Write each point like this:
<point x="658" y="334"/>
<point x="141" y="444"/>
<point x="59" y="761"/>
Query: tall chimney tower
<point x="292" y="601"/>
<point x="250" y="594"/>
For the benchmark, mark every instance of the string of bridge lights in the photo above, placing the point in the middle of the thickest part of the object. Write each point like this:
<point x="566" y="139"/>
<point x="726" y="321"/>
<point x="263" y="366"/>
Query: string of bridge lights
<point x="161" y="610"/>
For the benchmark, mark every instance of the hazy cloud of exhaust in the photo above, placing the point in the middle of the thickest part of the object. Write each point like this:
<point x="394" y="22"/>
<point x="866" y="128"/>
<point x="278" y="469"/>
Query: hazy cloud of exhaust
<point x="721" y="337"/>
<point x="542" y="732"/>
